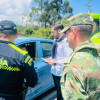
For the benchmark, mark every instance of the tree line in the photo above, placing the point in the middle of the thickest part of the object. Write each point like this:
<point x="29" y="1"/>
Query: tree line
<point x="43" y="14"/>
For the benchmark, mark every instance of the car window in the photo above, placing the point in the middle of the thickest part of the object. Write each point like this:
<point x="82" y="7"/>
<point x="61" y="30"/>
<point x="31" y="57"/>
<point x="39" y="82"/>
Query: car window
<point x="46" y="47"/>
<point x="30" y="48"/>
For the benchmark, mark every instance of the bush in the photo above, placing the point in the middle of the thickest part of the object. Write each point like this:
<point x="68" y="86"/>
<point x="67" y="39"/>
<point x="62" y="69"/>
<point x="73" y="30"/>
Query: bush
<point x="29" y="31"/>
<point x="42" y="33"/>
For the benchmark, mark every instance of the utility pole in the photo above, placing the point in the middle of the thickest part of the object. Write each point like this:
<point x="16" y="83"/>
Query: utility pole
<point x="89" y="6"/>
<point x="89" y="10"/>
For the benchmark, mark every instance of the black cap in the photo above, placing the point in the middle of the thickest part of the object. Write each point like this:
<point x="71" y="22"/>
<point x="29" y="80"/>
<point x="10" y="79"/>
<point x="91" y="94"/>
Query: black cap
<point x="7" y="25"/>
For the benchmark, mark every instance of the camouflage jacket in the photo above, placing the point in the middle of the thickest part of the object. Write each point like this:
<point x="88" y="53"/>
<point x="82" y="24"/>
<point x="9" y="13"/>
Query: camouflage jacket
<point x="81" y="76"/>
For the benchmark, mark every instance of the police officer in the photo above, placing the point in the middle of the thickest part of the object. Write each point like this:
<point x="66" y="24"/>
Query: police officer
<point x="15" y="64"/>
<point x="95" y="38"/>
<point x="81" y="76"/>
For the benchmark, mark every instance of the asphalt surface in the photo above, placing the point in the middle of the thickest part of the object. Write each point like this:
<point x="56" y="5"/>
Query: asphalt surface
<point x="49" y="95"/>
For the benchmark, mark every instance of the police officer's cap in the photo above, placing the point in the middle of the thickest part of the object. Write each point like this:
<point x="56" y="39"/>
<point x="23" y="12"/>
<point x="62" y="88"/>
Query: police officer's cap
<point x="7" y="25"/>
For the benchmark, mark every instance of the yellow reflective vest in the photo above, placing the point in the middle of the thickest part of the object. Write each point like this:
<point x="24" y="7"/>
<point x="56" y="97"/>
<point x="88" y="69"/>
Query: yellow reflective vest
<point x="95" y="16"/>
<point x="96" y="37"/>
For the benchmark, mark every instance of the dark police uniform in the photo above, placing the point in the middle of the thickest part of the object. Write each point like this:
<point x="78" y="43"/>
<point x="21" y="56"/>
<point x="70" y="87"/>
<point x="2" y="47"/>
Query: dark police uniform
<point x="15" y="65"/>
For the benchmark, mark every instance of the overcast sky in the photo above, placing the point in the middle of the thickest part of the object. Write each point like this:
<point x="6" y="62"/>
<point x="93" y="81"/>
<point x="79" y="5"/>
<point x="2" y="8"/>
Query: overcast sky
<point x="14" y="9"/>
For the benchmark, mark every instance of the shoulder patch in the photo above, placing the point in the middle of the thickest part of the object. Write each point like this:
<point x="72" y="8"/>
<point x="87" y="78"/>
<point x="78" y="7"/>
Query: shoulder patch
<point x="30" y="62"/>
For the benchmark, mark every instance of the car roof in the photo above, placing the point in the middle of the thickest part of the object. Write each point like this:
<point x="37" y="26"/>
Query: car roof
<point x="22" y="40"/>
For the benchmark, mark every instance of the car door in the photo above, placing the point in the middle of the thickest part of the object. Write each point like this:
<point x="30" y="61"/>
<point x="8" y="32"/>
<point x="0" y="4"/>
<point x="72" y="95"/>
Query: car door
<point x="47" y="77"/>
<point x="43" y="70"/>
<point x="37" y="90"/>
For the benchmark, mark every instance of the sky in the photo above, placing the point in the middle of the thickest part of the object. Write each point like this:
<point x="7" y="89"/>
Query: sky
<point x="80" y="6"/>
<point x="14" y="9"/>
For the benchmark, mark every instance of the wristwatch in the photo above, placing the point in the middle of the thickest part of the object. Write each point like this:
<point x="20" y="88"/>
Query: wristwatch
<point x="55" y="63"/>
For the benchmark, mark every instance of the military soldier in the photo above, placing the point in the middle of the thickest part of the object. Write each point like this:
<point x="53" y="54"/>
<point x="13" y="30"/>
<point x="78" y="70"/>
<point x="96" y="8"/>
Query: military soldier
<point x="81" y="76"/>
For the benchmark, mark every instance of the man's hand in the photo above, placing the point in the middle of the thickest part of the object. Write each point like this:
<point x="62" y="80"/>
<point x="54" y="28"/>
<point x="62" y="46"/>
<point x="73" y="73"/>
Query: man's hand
<point x="50" y="62"/>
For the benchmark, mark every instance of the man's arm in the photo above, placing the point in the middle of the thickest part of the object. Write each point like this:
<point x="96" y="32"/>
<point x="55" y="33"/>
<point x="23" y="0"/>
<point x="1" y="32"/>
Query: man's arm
<point x="29" y="71"/>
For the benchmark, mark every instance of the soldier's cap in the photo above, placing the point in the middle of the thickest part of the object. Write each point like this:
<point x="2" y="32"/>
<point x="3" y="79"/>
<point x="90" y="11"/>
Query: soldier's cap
<point x="7" y="25"/>
<point x="79" y="19"/>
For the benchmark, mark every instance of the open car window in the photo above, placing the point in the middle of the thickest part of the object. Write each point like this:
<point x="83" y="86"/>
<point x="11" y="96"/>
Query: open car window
<point x="30" y="48"/>
<point x="46" y="48"/>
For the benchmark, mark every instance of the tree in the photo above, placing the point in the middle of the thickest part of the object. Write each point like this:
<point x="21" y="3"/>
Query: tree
<point x="36" y="11"/>
<point x="45" y="16"/>
<point x="26" y="20"/>
<point x="41" y="3"/>
<point x="49" y="12"/>
<point x="34" y="14"/>
<point x="54" y="11"/>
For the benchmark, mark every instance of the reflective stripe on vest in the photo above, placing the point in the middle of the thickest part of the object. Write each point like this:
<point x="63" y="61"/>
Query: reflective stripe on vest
<point x="96" y="38"/>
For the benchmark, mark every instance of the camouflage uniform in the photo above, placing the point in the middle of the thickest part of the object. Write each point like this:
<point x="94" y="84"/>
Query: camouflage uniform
<point x="81" y="77"/>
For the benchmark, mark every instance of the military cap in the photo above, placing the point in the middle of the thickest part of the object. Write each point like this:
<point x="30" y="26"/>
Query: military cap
<point x="79" y="19"/>
<point x="7" y="25"/>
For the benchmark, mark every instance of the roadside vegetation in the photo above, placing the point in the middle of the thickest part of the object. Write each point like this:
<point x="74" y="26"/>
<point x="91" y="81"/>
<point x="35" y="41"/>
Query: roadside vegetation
<point x="41" y="17"/>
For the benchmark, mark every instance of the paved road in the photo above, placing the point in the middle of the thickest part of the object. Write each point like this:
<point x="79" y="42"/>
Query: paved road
<point x="49" y="95"/>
